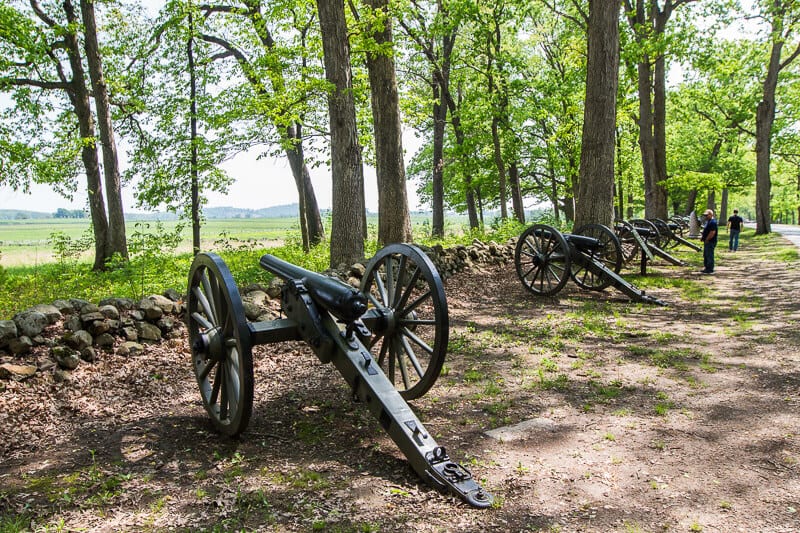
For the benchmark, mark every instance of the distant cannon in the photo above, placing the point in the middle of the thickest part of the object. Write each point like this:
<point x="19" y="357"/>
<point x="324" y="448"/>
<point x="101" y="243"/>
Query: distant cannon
<point x="388" y="340"/>
<point x="592" y="256"/>
<point x="643" y="236"/>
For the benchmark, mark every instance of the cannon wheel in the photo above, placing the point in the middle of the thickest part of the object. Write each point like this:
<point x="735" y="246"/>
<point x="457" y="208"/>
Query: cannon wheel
<point x="411" y="332"/>
<point x="630" y="246"/>
<point x="646" y="224"/>
<point x="220" y="342"/>
<point x="609" y="253"/>
<point x="542" y="258"/>
<point x="667" y="238"/>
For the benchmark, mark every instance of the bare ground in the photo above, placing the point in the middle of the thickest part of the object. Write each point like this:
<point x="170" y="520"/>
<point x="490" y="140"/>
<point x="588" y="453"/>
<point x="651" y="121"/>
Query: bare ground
<point x="618" y="416"/>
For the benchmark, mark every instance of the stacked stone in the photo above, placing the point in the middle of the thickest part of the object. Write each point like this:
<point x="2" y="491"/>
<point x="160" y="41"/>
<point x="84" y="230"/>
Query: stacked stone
<point x="120" y="325"/>
<point x="451" y="261"/>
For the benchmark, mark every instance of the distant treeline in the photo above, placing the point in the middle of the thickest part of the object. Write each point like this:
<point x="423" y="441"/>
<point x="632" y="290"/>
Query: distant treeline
<point x="279" y="211"/>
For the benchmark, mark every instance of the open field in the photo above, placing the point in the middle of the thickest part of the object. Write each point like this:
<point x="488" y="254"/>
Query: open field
<point x="28" y="242"/>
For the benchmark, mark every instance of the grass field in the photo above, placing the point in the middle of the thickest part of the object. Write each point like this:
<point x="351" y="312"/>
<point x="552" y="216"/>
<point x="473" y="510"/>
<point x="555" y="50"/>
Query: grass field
<point x="30" y="242"/>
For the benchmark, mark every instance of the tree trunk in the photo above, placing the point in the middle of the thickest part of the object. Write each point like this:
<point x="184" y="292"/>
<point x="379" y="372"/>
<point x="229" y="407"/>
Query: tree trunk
<point x="347" y="226"/>
<point x="619" y="189"/>
<point x="79" y="96"/>
<point x="394" y="223"/>
<point x="765" y="116"/>
<point x="469" y="192"/>
<point x="501" y="168"/>
<point x="648" y="21"/>
<point x="660" y="136"/>
<point x="690" y="201"/>
<point x="437" y="179"/>
<point x="595" y="200"/>
<point x="193" y="171"/>
<point x="311" y="228"/>
<point x="117" y="239"/>
<point x="723" y="205"/>
<point x="654" y="195"/>
<point x="711" y="200"/>
<point x="516" y="192"/>
<point x="499" y="100"/>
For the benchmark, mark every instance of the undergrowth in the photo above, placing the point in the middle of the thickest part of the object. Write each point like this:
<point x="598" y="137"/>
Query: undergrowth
<point x="154" y="267"/>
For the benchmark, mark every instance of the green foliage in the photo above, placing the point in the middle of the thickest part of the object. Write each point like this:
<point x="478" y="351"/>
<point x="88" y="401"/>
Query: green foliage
<point x="14" y="523"/>
<point x="153" y="267"/>
<point x="67" y="249"/>
<point x="150" y="249"/>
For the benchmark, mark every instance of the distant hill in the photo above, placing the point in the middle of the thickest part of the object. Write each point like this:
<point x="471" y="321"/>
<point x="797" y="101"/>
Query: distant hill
<point x="18" y="214"/>
<point x="278" y="211"/>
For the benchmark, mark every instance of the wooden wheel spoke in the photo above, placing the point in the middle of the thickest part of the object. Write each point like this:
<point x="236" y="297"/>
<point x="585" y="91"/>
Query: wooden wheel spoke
<point x="408" y="290"/>
<point x="418" y="341"/>
<point x="416" y="303"/>
<point x="412" y="357"/>
<point x="401" y="365"/>
<point x="381" y="291"/>
<point x="418" y="322"/>
<point x="206" y="297"/>
<point x="216" y="386"/>
<point x="398" y="285"/>
<point x="200" y="319"/>
<point x="205" y="305"/>
<point x="207" y="368"/>
<point x="390" y="281"/>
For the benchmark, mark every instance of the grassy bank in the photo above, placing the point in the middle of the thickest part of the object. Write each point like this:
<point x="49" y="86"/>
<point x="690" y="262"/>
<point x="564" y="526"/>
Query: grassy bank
<point x="161" y="258"/>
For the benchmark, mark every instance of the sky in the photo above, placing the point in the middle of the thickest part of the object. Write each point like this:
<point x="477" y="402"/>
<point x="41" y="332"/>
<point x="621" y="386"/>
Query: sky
<point x="258" y="183"/>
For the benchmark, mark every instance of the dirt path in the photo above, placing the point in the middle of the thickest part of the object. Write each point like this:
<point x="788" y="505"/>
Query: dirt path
<point x="581" y="413"/>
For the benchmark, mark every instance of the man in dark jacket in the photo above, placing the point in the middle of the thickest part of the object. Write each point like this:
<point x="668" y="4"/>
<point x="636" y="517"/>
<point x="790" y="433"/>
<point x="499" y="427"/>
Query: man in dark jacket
<point x="709" y="239"/>
<point x="735" y="224"/>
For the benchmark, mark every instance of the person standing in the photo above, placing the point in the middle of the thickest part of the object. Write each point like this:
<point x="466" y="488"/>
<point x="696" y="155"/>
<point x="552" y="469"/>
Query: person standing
<point x="735" y="225"/>
<point x="709" y="240"/>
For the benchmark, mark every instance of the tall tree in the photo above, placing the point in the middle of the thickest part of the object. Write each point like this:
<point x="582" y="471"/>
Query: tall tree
<point x="434" y="31"/>
<point x="783" y="17"/>
<point x="43" y="58"/>
<point x="347" y="171"/>
<point x="394" y="222"/>
<point x="117" y="240"/>
<point x="596" y="194"/>
<point x="267" y="71"/>
<point x="177" y="127"/>
<point x="648" y="20"/>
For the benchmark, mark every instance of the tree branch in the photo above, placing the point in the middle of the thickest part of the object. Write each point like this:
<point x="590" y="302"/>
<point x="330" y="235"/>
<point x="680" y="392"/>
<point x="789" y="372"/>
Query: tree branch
<point x="41" y="14"/>
<point x="27" y="82"/>
<point x="791" y="58"/>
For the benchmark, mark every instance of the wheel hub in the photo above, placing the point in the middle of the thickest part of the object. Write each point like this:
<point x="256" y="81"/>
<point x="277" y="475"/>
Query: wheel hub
<point x="210" y="344"/>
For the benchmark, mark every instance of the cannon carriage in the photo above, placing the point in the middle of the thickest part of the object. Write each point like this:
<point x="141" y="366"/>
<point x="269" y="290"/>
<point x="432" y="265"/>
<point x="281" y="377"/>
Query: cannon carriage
<point x="592" y="256"/>
<point x="388" y="340"/>
<point x="648" y="239"/>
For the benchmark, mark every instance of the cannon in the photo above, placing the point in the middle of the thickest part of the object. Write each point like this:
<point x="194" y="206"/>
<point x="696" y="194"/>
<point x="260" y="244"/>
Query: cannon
<point x="388" y="340"/>
<point x="592" y="256"/>
<point x="640" y="235"/>
<point x="671" y="234"/>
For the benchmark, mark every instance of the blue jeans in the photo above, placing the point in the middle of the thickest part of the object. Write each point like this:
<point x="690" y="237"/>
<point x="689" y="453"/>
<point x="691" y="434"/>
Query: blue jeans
<point x="708" y="255"/>
<point x="733" y="242"/>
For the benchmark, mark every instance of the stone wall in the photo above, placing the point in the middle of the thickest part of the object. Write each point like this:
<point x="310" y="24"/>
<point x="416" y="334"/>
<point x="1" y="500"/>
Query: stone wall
<point x="61" y="335"/>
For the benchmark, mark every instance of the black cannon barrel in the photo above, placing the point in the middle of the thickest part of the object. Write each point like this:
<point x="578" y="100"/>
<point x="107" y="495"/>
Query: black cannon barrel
<point x="341" y="300"/>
